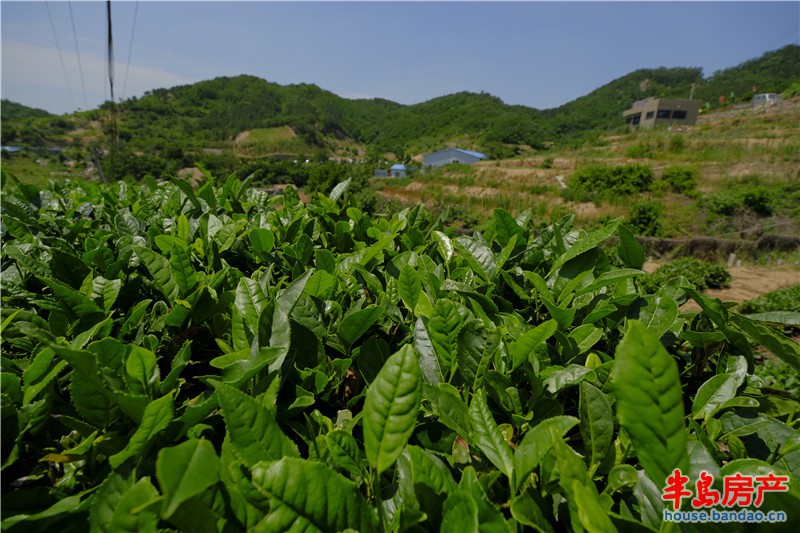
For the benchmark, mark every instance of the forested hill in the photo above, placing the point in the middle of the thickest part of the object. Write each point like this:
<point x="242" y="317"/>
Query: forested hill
<point x="211" y="114"/>
<point x="12" y="110"/>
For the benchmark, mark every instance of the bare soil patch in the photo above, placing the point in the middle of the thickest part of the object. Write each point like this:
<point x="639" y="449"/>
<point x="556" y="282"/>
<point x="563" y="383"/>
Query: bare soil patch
<point x="747" y="283"/>
<point x="750" y="282"/>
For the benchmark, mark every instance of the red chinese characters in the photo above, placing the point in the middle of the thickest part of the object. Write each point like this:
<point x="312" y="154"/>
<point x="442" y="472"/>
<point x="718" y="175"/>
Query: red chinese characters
<point x="739" y="490"/>
<point x="676" y="489"/>
<point x="706" y="496"/>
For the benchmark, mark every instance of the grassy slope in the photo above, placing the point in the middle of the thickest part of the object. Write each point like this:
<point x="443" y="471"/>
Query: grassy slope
<point x="729" y="149"/>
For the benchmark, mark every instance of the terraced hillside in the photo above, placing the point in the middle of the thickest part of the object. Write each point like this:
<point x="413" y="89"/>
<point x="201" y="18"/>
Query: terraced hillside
<point x="731" y="152"/>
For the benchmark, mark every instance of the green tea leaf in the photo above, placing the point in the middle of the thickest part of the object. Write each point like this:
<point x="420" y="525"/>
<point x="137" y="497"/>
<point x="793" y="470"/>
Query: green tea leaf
<point x="592" y="515"/>
<point x="506" y="226"/>
<point x="444" y="244"/>
<point x="409" y="286"/>
<point x="560" y="378"/>
<point x="476" y="346"/>
<point x="783" y="347"/>
<point x="460" y="513"/>
<point x="340" y="189"/>
<point x="320" y="284"/>
<point x="712" y="395"/>
<point x="182" y="271"/>
<point x="597" y="422"/>
<point x="263" y="240"/>
<point x="428" y="362"/>
<point x="443" y="327"/>
<point x="488" y="437"/>
<point x="538" y="442"/>
<point x="585" y="243"/>
<point x="73" y="301"/>
<point x="451" y="409"/>
<point x="355" y="324"/>
<point x="188" y="191"/>
<point x="161" y="272"/>
<point x="308" y="496"/>
<point x="141" y="367"/>
<point x="629" y="249"/>
<point x="105" y="292"/>
<point x="658" y="314"/>
<point x="254" y="432"/>
<point x="522" y="349"/>
<point x="649" y="401"/>
<point x="344" y="451"/>
<point x="391" y="407"/>
<point x="157" y="416"/>
<point x="184" y="471"/>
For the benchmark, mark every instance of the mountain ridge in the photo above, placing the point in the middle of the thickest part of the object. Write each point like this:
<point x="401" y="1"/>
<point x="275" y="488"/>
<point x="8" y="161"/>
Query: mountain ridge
<point x="180" y="122"/>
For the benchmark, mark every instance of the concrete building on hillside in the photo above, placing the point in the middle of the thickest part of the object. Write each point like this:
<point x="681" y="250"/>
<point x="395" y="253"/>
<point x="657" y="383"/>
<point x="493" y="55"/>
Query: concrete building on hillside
<point x="398" y="171"/>
<point x="662" y="112"/>
<point x="452" y="155"/>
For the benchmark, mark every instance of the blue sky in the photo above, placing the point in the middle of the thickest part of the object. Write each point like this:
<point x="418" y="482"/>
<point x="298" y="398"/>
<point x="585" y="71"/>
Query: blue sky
<point x="538" y="54"/>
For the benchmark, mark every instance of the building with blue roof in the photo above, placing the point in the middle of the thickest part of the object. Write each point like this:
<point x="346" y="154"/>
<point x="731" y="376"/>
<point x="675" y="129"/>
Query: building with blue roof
<point x="398" y="171"/>
<point x="452" y="155"/>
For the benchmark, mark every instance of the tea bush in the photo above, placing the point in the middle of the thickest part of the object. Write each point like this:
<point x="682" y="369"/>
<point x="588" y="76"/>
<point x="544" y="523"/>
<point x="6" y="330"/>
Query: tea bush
<point x="645" y="218"/>
<point x="682" y="180"/>
<point x="226" y="360"/>
<point x="613" y="180"/>
<point x="701" y="274"/>
<point x="785" y="299"/>
<point x="758" y="200"/>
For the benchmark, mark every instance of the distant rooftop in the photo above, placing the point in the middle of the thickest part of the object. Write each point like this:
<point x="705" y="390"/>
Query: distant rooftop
<point x="398" y="166"/>
<point x="473" y="154"/>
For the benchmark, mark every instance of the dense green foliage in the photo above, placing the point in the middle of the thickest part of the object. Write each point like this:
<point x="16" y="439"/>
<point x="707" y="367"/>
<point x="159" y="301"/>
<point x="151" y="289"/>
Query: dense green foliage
<point x="612" y="180"/>
<point x="222" y="359"/>
<point x="645" y="218"/>
<point x="787" y="299"/>
<point x="679" y="179"/>
<point x="180" y="124"/>
<point x="700" y="274"/>
<point x="773" y="72"/>
<point x="10" y="110"/>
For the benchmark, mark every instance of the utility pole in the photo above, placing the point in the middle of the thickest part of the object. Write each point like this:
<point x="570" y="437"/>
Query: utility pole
<point x="113" y="108"/>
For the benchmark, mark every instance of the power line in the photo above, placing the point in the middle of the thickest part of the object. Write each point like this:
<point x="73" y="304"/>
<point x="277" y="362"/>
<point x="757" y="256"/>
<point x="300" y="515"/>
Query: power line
<point x="77" y="51"/>
<point x="780" y="40"/>
<point x="130" y="49"/>
<point x="60" y="56"/>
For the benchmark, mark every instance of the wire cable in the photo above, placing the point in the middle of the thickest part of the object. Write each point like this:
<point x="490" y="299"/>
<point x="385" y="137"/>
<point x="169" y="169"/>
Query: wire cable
<point x="78" y="51"/>
<point x="60" y="56"/>
<point x="130" y="50"/>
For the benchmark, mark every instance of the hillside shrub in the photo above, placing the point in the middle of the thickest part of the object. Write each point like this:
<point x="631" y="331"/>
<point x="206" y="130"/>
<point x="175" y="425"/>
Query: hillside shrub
<point x="785" y="299"/>
<point x="701" y="274"/>
<point x="641" y="150"/>
<point x="777" y="375"/>
<point x="680" y="179"/>
<point x="609" y="180"/>
<point x="677" y="144"/>
<point x="645" y="218"/>
<point x="756" y="199"/>
<point x="792" y="91"/>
